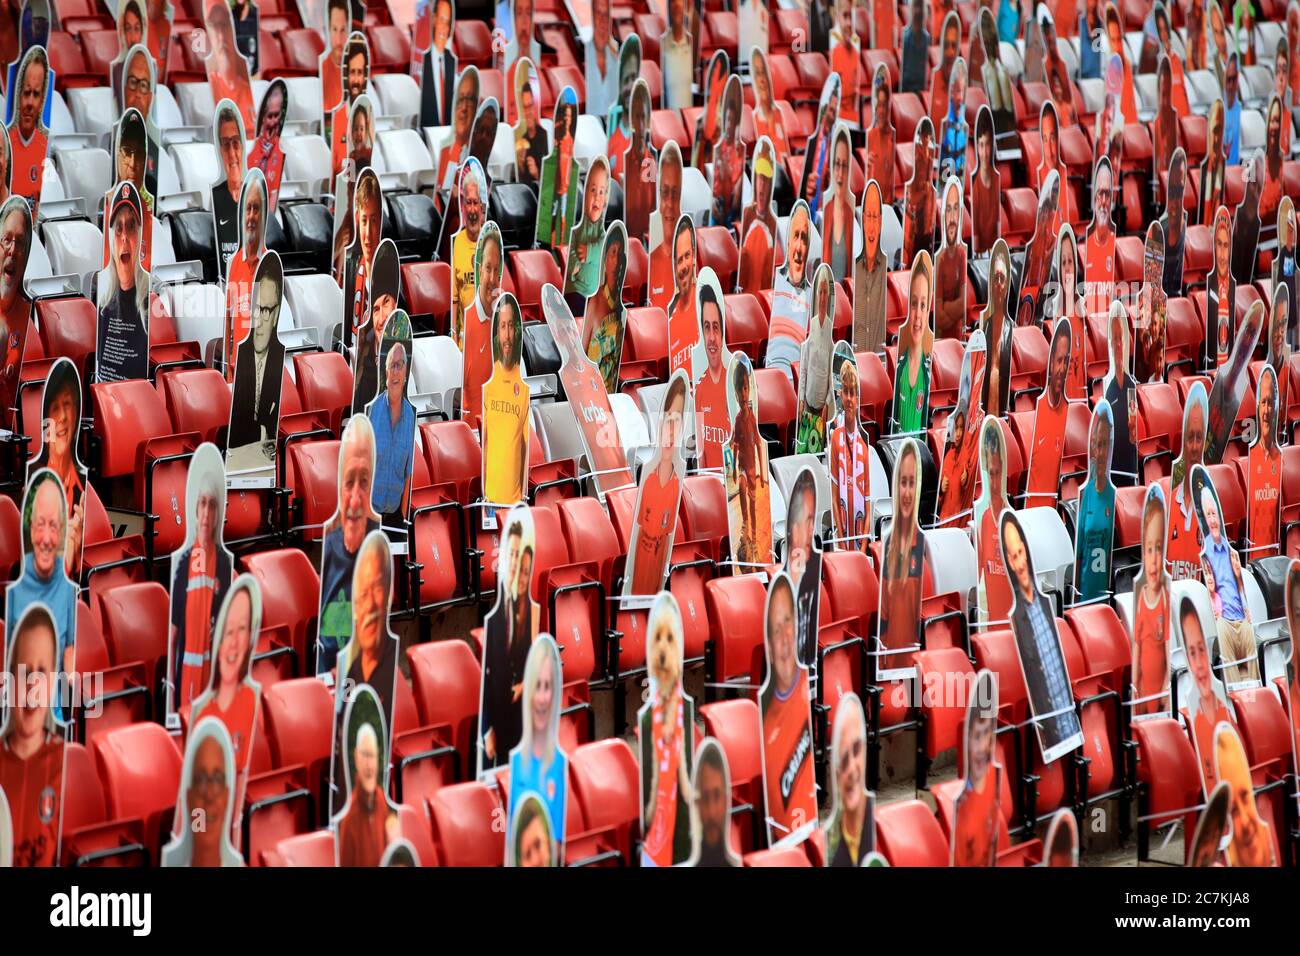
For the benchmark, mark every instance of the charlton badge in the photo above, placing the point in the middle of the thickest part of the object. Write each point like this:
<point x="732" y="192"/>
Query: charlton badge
<point x="45" y="805"/>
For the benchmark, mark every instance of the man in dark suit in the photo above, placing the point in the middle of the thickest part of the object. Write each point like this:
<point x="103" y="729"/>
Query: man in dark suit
<point x="259" y="365"/>
<point x="438" y="75"/>
<point x="1033" y="622"/>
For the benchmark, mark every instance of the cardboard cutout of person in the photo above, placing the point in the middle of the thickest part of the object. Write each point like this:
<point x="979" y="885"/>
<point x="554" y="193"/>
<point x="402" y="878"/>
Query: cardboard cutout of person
<point x="881" y="136"/>
<point x="1115" y="42"/>
<point x="744" y="463"/>
<point x="768" y="120"/>
<point x="1229" y="78"/>
<point x="1108" y="137"/>
<point x="1035" y="51"/>
<point x="258" y="377"/>
<point x="1275" y="146"/>
<point x="954" y="131"/>
<point x="227" y="70"/>
<point x="1149" y="353"/>
<point x="200" y="573"/>
<point x="392" y="418"/>
<point x="758" y="223"/>
<point x="666" y="741"/>
<point x="130" y="159"/>
<point x="1220" y="296"/>
<point x="727" y="176"/>
<point x="206" y="803"/>
<point x="1042" y="661"/>
<point x="1206" y="706"/>
<point x="532" y="142"/>
<point x="361" y="151"/>
<point x="137" y="88"/>
<point x="1213" y="167"/>
<point x="1049" y="131"/>
<point x="977" y="807"/>
<point x="847" y="459"/>
<point x="1264" y="473"/>
<point x="904" y="557"/>
<point x="473" y="201"/>
<point x="845" y="57"/>
<point x="803" y="563"/>
<point x="558" y="193"/>
<point x="619" y="120"/>
<point x="849" y="829"/>
<point x="838" y="211"/>
<point x="1058" y="74"/>
<point x="986" y="186"/>
<point x="1152" y="610"/>
<point x="1164" y="128"/>
<point x="244" y="14"/>
<point x="122" y="295"/>
<point x="1040" y="248"/>
<point x="508" y="633"/>
<point x="342" y="537"/>
<point x="1237" y="656"/>
<point x="253" y="214"/>
<point x="993" y="589"/>
<point x="1291" y="693"/>
<point x="754" y="26"/>
<point x="434" y="62"/>
<point x="232" y="696"/>
<point x="1212" y="833"/>
<point x="228" y="140"/>
<point x="911" y="409"/>
<point x="657" y="500"/>
<point x="949" y="32"/>
<point x="369" y="659"/>
<point x="353" y="81"/>
<point x="1284" y="269"/>
<point x="1184" y="542"/>
<point x="1120" y="390"/>
<point x="961" y="437"/>
<point x="43" y="578"/>
<point x="1278" y="353"/>
<point x="464" y="110"/>
<point x="400" y="853"/>
<point x="996" y="324"/>
<point x="58" y="451"/>
<point x="266" y="153"/>
<point x="584" y="262"/>
<point x="677" y="57"/>
<point x="1246" y="221"/>
<point x="359" y="255"/>
<point x="605" y="317"/>
<point x="1099" y="245"/>
<point x="1062" y="840"/>
<point x="505" y="410"/>
<point x="601" y="73"/>
<point x="534" y="843"/>
<point x="15" y="306"/>
<point x="1230" y="383"/>
<point x="1251" y="843"/>
<point x="818" y="158"/>
<point x="365" y="824"/>
<point x="584" y="387"/>
<point x="663" y="223"/>
<point x="637" y="165"/>
<point x="814" y="395"/>
<point x="538" y="765"/>
<point x="29" y="94"/>
<point x="1095" y="525"/>
<point x="336" y="25"/>
<point x="870" y="278"/>
<point x="1174" y="223"/>
<point x="714" y="88"/>
<point x="32" y="755"/>
<point x="997" y="82"/>
<point x="520" y="27"/>
<point x="1068" y="306"/>
<point x="920" y="212"/>
<point x="710" y="360"/>
<point x="950" y="267"/>
<point x="785" y="708"/>
<point x="791" y="294"/>
<point x="383" y="294"/>
<point x="711" y="808"/>
<point x="916" y="49"/>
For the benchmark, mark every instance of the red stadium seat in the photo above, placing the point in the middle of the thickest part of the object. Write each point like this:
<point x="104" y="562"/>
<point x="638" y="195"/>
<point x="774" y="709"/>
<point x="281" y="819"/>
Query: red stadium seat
<point x="290" y="597"/>
<point x="1170" y="775"/>
<point x="299" y="720"/>
<point x="428" y="291"/>
<point x="464" y="819"/>
<point x="312" y="479"/>
<point x="324" y="384"/>
<point x="445" y="678"/>
<point x="472" y="42"/>
<point x="606" y="784"/>
<point x="198" y="400"/>
<point x="735" y="607"/>
<point x="136" y="621"/>
<point x="141" y="770"/>
<point x="909" y="835"/>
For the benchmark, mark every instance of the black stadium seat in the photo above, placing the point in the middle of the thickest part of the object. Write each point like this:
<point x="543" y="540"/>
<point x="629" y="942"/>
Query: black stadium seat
<point x="310" y="230"/>
<point x="194" y="237"/>
<point x="513" y="207"/>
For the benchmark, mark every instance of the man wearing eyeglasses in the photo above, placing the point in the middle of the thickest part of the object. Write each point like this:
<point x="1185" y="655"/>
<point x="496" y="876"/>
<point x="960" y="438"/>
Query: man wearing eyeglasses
<point x="259" y="365"/>
<point x="225" y="192"/>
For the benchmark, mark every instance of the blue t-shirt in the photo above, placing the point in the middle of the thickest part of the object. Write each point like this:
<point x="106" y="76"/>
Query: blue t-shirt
<point x="551" y="785"/>
<point x="1219" y="557"/>
<point x="1093" y="537"/>
<point x="1089" y="54"/>
<point x="58" y="594"/>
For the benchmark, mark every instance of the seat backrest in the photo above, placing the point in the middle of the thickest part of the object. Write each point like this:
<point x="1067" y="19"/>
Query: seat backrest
<point x="315" y="849"/>
<point x="445" y="679"/>
<point x="290" y="590"/>
<point x="735" y="606"/>
<point x="464" y="829"/>
<point x="127" y="414"/>
<point x="607" y="781"/>
<point x="135" y="619"/>
<point x="735" y="725"/>
<point x="140" y="768"/>
<point x="909" y="835"/>
<point x="299" y="716"/>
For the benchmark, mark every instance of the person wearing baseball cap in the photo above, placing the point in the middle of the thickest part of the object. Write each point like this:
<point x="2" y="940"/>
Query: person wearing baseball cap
<point x="123" y="294"/>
